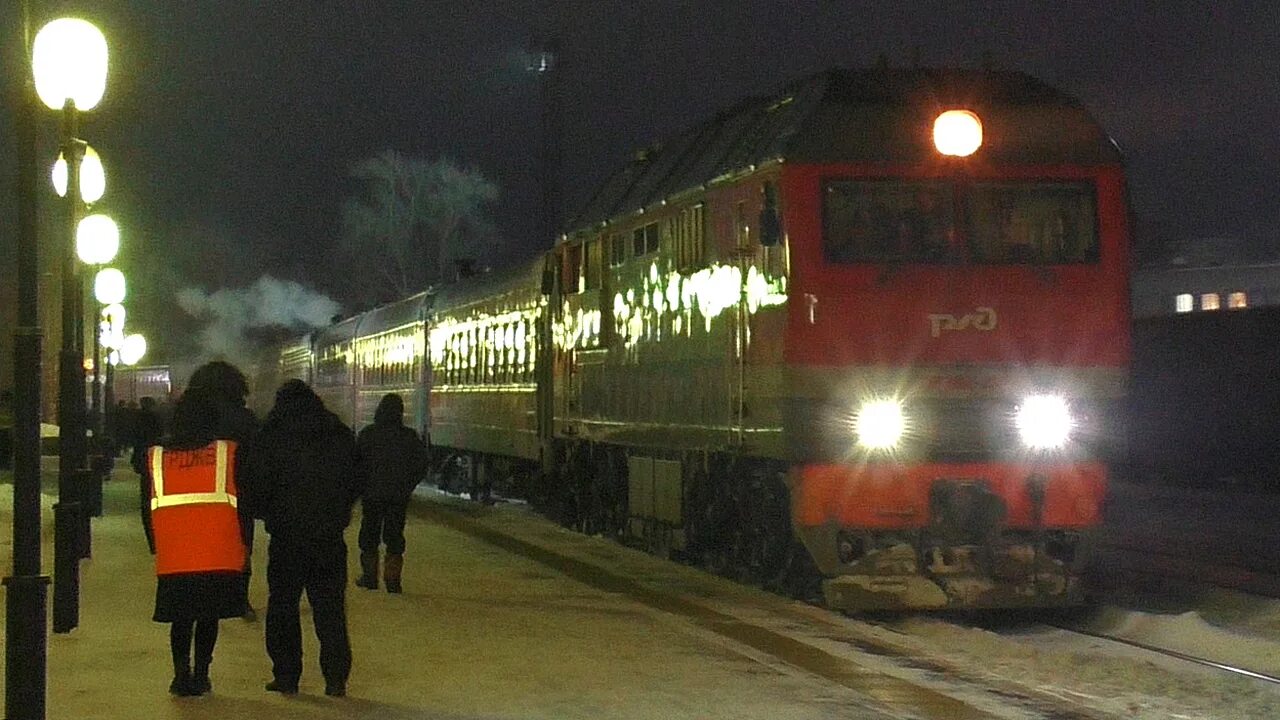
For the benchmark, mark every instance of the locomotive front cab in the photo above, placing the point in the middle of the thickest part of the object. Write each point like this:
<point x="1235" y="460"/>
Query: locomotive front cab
<point x="957" y="355"/>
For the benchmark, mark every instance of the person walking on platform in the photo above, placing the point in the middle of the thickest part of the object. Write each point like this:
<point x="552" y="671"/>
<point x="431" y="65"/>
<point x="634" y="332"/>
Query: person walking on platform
<point x="147" y="431"/>
<point x="192" y="516"/>
<point x="391" y="459"/>
<point x="229" y="389"/>
<point x="305" y="485"/>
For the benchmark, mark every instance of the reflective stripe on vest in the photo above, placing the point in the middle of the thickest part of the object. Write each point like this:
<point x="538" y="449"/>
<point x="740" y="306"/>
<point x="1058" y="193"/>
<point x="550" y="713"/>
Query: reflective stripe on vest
<point x="219" y="494"/>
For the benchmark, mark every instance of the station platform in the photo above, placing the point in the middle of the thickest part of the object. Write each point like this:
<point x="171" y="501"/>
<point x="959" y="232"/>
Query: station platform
<point x="481" y="631"/>
<point x="507" y="615"/>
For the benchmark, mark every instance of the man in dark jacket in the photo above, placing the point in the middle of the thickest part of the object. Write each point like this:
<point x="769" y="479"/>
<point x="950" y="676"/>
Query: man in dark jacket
<point x="227" y="386"/>
<point x="147" y="431"/>
<point x="392" y="460"/>
<point x="303" y="486"/>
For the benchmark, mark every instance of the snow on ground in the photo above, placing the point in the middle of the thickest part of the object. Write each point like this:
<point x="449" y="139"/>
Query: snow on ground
<point x="1108" y="676"/>
<point x="506" y="638"/>
<point x="1120" y="679"/>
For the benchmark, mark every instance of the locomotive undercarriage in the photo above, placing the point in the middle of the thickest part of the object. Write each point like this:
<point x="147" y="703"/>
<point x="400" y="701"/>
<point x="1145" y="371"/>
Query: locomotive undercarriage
<point x="911" y="570"/>
<point x="733" y="518"/>
<point x="729" y="515"/>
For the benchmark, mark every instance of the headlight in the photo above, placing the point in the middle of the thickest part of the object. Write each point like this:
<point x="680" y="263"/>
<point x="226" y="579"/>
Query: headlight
<point x="880" y="424"/>
<point x="1044" y="422"/>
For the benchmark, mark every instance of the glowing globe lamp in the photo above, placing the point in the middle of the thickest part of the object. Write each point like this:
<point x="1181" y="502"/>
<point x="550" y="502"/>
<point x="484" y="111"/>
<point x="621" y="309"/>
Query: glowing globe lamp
<point x="109" y="286"/>
<point x="97" y="240"/>
<point x="69" y="60"/>
<point x="135" y="346"/>
<point x="93" y="176"/>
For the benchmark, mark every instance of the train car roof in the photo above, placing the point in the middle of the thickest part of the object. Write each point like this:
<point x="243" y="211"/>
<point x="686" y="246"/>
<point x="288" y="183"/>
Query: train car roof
<point x="394" y="315"/>
<point x="526" y="276"/>
<point x="339" y="332"/>
<point x="869" y="115"/>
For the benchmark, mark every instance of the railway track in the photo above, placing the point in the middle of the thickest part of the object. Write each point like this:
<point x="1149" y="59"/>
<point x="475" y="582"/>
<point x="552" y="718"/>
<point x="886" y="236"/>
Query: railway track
<point x="1185" y="657"/>
<point x="831" y="651"/>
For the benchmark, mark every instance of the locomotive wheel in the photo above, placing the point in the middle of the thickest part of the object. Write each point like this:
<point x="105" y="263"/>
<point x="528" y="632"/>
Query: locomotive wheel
<point x="708" y="517"/>
<point x="610" y="493"/>
<point x="773" y="543"/>
<point x="451" y="478"/>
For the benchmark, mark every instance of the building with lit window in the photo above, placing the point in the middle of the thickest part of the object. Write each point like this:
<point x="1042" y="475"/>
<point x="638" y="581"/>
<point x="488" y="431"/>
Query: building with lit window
<point x="1206" y="276"/>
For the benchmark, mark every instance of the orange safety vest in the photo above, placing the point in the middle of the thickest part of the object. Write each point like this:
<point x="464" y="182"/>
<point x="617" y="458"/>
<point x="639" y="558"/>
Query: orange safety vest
<point x="193" y="509"/>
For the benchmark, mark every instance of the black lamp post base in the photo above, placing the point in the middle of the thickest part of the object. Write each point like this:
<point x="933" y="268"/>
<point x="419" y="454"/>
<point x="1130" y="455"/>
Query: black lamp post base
<point x="26" y="646"/>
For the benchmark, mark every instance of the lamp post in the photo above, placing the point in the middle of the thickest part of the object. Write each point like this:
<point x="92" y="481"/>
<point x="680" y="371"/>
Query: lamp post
<point x="111" y="330"/>
<point x="108" y="289"/>
<point x="69" y="61"/>
<point x="26" y="589"/>
<point x="97" y="242"/>
<point x="545" y="63"/>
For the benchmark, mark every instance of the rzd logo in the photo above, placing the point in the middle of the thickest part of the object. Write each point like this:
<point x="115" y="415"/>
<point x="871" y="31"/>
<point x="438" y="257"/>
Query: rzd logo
<point x="983" y="318"/>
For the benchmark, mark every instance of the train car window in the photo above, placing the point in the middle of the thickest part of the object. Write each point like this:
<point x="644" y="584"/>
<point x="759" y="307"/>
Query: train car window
<point x="571" y="269"/>
<point x="741" y="226"/>
<point x="617" y="250"/>
<point x="1237" y="300"/>
<point x="1210" y="301"/>
<point x="889" y="221"/>
<point x="1183" y="303"/>
<point x="689" y="233"/>
<point x="591" y="270"/>
<point x="644" y="239"/>
<point x="1050" y="223"/>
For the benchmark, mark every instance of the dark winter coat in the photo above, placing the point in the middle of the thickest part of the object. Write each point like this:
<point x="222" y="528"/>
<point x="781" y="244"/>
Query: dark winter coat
<point x="148" y="430"/>
<point x="301" y="468"/>
<point x="390" y="458"/>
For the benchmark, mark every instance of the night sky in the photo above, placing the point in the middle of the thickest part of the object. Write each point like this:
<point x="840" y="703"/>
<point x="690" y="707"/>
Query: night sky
<point x="229" y="126"/>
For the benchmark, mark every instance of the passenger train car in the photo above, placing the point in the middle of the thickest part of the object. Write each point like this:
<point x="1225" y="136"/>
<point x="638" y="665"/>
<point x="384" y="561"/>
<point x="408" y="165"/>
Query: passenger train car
<point x="871" y="330"/>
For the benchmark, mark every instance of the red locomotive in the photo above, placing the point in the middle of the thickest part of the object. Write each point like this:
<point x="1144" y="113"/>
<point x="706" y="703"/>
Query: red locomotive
<point x="871" y="330"/>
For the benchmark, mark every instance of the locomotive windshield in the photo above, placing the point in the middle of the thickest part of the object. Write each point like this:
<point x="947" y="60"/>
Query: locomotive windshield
<point x="935" y="222"/>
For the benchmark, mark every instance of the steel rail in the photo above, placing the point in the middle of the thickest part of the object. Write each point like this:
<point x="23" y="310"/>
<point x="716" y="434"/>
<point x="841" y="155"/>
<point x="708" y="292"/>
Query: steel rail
<point x="1174" y="654"/>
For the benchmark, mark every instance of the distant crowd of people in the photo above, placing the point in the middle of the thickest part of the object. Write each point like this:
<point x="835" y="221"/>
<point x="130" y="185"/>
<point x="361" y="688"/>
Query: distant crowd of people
<point x="213" y="469"/>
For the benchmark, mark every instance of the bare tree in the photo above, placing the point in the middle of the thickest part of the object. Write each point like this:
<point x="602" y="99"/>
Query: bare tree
<point x="414" y="219"/>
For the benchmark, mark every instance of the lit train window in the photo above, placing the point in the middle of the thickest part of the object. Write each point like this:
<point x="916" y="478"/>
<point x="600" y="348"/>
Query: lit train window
<point x="1210" y="301"/>
<point x="1237" y="300"/>
<point x="1034" y="222"/>
<point x="874" y="221"/>
<point x="1184" y="303"/>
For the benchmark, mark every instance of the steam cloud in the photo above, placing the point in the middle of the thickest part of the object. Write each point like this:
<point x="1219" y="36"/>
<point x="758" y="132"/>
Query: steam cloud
<point x="232" y="315"/>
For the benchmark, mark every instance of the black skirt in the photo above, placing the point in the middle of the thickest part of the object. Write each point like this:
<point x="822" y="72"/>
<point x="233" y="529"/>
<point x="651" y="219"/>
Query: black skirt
<point x="200" y="596"/>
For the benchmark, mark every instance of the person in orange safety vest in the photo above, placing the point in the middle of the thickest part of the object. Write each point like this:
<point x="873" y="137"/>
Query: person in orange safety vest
<point x="198" y="531"/>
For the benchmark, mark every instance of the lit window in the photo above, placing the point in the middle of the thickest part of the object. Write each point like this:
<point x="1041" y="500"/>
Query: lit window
<point x="1237" y="300"/>
<point x="1210" y="301"/>
<point x="1184" y="303"/>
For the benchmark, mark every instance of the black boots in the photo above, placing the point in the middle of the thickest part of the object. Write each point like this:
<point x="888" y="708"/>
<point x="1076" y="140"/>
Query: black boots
<point x="200" y="683"/>
<point x="395" y="563"/>
<point x="181" y="685"/>
<point x="188" y="684"/>
<point x="369" y="570"/>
